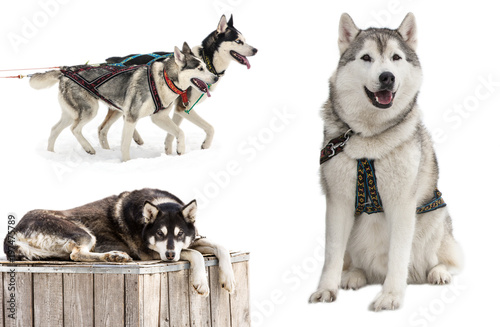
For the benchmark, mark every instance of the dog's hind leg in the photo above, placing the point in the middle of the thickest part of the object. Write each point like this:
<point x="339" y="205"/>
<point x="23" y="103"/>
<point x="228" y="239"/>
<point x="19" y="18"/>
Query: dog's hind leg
<point x="64" y="122"/>
<point x="193" y="117"/>
<point x="109" y="120"/>
<point x="226" y="274"/>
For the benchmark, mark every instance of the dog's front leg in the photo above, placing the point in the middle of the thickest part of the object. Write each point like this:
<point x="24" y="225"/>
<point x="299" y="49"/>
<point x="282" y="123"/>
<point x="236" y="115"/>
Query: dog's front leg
<point x="401" y="218"/>
<point x="128" y="132"/>
<point x="198" y="275"/>
<point x="226" y="274"/>
<point x="339" y="222"/>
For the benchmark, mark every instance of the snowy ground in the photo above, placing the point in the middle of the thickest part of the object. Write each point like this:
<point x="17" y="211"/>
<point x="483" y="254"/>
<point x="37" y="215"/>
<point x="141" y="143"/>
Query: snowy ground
<point x="258" y="185"/>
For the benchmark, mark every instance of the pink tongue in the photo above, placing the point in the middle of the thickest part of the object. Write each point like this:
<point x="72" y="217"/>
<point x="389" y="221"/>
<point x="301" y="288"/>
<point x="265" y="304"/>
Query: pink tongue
<point x="208" y="93"/>
<point x="246" y="62"/>
<point x="383" y="97"/>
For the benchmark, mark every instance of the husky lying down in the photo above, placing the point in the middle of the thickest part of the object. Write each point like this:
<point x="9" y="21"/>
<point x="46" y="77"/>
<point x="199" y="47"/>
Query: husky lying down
<point x="386" y="222"/>
<point x="145" y="224"/>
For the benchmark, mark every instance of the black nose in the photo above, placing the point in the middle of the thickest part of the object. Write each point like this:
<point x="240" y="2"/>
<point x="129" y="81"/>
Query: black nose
<point x="254" y="51"/>
<point x="216" y="79"/>
<point x="170" y="255"/>
<point x="387" y="80"/>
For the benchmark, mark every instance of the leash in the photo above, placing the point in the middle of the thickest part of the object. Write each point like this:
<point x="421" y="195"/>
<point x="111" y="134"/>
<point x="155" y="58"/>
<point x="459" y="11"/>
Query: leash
<point x="334" y="147"/>
<point x="23" y="76"/>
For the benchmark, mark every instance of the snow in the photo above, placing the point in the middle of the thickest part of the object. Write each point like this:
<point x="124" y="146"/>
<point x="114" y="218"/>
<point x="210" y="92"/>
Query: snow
<point x="258" y="186"/>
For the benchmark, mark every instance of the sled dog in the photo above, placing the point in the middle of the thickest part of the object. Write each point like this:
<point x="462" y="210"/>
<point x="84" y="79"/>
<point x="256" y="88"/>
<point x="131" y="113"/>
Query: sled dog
<point x="217" y="50"/>
<point x="135" y="92"/>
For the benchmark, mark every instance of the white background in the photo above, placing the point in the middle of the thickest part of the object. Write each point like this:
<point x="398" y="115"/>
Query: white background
<point x="269" y="132"/>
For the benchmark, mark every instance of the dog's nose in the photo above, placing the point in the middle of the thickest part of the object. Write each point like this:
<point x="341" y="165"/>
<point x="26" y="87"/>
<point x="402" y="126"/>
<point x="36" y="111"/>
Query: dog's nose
<point x="216" y="79"/>
<point x="170" y="255"/>
<point x="387" y="80"/>
<point x="254" y="50"/>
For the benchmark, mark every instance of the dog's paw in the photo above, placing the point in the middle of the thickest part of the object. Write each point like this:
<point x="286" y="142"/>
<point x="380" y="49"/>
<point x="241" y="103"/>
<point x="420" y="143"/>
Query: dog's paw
<point x="323" y="295"/>
<point x="227" y="281"/>
<point x="117" y="256"/>
<point x="353" y="279"/>
<point x="200" y="285"/>
<point x="439" y="275"/>
<point x="386" y="301"/>
<point x="90" y="150"/>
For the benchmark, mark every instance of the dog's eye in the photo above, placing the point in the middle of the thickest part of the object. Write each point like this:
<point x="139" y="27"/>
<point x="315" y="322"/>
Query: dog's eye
<point x="238" y="42"/>
<point x="366" y="58"/>
<point x="396" y="57"/>
<point x="180" y="233"/>
<point x="200" y="69"/>
<point x="159" y="232"/>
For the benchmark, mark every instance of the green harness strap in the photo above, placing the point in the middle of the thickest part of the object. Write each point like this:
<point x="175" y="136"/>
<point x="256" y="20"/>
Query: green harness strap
<point x="194" y="104"/>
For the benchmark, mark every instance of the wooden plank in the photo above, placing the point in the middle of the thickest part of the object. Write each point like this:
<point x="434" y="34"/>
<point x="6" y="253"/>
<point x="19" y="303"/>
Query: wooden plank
<point x="151" y="301"/>
<point x="219" y="301"/>
<point x="20" y="285"/>
<point x="164" y="301"/>
<point x="109" y="299"/>
<point x="48" y="300"/>
<point x="199" y="308"/>
<point x="178" y="290"/>
<point x="78" y="300"/>
<point x="133" y="301"/>
<point x="240" y="299"/>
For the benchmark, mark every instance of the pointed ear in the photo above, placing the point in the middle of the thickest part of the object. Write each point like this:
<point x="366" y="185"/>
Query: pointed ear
<point x="180" y="59"/>
<point x="347" y="32"/>
<point x="189" y="211"/>
<point x="186" y="49"/>
<point x="408" y="30"/>
<point x="149" y="212"/>
<point x="230" y="22"/>
<point x="221" y="28"/>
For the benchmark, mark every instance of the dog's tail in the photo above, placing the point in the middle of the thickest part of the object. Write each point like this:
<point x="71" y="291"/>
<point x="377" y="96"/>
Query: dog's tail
<point x="43" y="80"/>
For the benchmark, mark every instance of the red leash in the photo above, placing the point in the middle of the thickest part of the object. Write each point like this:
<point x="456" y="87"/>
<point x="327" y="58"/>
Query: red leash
<point x="22" y="76"/>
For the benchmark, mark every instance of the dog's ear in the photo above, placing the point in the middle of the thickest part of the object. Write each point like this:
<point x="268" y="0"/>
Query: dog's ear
<point x="180" y="59"/>
<point x="189" y="211"/>
<point x="230" y="21"/>
<point x="149" y="212"/>
<point x="186" y="49"/>
<point x="347" y="32"/>
<point x="221" y="28"/>
<point x="408" y="30"/>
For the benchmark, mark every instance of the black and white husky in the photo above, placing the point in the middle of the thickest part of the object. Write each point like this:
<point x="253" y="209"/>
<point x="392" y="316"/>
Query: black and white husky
<point x="217" y="50"/>
<point x="145" y="224"/>
<point x="135" y="93"/>
<point x="386" y="222"/>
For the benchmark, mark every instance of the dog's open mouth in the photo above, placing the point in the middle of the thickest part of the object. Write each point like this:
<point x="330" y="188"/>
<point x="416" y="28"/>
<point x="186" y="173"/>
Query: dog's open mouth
<point x="240" y="58"/>
<point x="202" y="86"/>
<point x="381" y="99"/>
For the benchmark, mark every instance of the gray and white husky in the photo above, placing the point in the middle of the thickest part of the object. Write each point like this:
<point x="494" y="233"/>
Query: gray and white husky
<point x="145" y="224"/>
<point x="378" y="158"/>
<point x="218" y="50"/>
<point x="130" y="92"/>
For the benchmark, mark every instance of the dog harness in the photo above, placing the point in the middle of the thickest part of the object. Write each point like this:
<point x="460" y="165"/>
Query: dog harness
<point x="110" y="71"/>
<point x="367" y="196"/>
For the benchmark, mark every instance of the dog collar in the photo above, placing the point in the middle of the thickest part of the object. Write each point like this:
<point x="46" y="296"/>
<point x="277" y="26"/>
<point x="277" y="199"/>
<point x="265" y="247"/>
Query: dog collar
<point x="334" y="147"/>
<point x="210" y="65"/>
<point x="175" y="89"/>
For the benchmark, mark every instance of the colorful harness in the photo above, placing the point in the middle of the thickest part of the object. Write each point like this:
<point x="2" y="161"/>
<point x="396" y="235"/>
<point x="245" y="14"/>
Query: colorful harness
<point x="367" y="197"/>
<point x="113" y="70"/>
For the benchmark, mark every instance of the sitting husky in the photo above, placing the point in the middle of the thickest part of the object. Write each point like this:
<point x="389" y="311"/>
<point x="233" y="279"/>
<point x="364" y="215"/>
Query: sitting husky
<point x="217" y="50"/>
<point x="146" y="224"/>
<point x="386" y="222"/>
<point x="136" y="92"/>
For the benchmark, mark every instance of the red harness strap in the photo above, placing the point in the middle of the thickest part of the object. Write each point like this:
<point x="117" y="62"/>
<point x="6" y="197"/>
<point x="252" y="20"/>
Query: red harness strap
<point x="176" y="90"/>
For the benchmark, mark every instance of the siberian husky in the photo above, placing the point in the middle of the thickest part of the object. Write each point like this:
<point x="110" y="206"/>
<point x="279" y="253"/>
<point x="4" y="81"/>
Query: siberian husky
<point x="136" y="92"/>
<point x="378" y="159"/>
<point x="145" y="224"/>
<point x="217" y="50"/>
